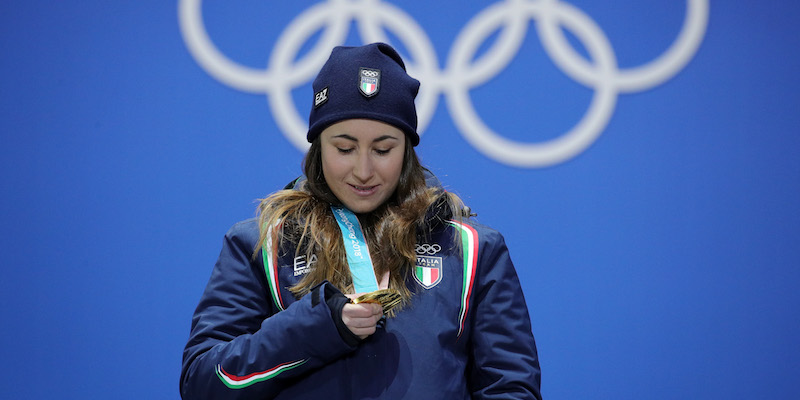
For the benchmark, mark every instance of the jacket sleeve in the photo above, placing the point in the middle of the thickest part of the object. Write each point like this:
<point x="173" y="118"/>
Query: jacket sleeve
<point x="504" y="362"/>
<point x="240" y="346"/>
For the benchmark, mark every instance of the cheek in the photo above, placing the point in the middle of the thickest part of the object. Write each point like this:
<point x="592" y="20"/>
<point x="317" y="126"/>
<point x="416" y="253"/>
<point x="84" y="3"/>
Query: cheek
<point x="392" y="169"/>
<point x="333" y="167"/>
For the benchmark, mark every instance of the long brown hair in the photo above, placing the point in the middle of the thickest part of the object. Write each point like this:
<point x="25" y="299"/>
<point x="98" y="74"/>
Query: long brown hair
<point x="303" y="217"/>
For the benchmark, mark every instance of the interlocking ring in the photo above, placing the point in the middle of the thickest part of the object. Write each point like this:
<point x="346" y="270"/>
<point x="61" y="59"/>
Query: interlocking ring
<point x="429" y="249"/>
<point x="461" y="73"/>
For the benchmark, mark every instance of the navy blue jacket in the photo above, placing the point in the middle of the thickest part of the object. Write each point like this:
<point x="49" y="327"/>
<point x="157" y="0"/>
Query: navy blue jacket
<point x="466" y="333"/>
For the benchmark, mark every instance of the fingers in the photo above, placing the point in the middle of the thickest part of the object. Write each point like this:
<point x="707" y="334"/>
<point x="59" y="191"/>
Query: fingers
<point x="362" y="318"/>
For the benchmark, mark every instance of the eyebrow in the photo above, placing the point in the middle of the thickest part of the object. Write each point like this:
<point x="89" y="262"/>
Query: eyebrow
<point x="378" y="139"/>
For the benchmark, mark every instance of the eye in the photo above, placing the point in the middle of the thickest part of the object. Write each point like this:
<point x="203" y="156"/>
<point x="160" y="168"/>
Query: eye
<point x="382" y="152"/>
<point x="345" y="151"/>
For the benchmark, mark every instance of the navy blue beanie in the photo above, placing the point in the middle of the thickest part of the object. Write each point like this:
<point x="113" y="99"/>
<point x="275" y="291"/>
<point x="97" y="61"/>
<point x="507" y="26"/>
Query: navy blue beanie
<point x="367" y="82"/>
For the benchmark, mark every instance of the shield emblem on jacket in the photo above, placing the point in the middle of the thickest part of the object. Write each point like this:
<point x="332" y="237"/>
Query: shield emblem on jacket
<point x="428" y="271"/>
<point x="369" y="81"/>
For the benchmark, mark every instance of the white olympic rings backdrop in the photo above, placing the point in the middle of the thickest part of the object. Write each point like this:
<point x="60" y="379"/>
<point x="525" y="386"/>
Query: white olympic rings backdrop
<point x="285" y="72"/>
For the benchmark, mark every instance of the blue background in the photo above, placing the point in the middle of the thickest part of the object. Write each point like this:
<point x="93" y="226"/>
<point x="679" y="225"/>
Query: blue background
<point x="660" y="263"/>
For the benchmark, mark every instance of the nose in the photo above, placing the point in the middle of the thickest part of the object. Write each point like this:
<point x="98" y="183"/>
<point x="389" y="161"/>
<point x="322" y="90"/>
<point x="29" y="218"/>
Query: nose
<point x="363" y="169"/>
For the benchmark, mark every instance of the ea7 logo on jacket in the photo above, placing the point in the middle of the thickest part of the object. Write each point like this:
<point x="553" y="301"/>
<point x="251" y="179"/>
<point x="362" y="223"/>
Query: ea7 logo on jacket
<point x="428" y="271"/>
<point x="300" y="265"/>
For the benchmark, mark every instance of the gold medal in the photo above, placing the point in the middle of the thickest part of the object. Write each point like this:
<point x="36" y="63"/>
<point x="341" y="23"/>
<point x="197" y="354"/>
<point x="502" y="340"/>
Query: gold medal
<point x="388" y="298"/>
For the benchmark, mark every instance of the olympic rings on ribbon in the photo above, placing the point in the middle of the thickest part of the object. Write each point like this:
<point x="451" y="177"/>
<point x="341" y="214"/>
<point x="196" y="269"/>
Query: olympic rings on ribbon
<point x="461" y="73"/>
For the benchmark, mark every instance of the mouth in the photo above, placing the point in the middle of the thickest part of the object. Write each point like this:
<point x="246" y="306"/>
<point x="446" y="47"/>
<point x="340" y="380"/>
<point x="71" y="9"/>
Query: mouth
<point x="364" y="190"/>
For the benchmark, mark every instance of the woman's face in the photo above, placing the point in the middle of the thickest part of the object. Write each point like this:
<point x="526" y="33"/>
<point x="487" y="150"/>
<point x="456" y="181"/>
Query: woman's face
<point x="362" y="160"/>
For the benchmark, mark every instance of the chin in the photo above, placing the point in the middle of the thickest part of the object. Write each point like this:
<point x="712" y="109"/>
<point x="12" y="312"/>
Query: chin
<point x="362" y="208"/>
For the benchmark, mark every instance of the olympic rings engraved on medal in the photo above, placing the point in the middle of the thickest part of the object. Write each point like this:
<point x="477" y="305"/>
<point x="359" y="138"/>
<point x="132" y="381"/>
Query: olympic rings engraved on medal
<point x="429" y="249"/>
<point x="461" y="73"/>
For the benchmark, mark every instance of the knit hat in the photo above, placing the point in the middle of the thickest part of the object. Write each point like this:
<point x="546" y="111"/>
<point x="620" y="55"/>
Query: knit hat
<point x="367" y="82"/>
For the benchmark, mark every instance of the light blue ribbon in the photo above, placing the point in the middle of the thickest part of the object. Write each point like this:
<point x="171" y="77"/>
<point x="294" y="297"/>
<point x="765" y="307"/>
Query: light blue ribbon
<point x="364" y="280"/>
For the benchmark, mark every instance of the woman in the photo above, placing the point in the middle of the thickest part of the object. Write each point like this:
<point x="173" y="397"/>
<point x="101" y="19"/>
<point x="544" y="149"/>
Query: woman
<point x="365" y="279"/>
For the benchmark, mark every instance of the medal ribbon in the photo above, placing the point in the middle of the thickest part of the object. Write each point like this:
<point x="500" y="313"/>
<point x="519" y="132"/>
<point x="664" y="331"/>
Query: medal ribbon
<point x="364" y="280"/>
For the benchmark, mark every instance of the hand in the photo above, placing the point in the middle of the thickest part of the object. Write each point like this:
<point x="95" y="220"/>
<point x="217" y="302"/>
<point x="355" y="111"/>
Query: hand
<point x="362" y="318"/>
